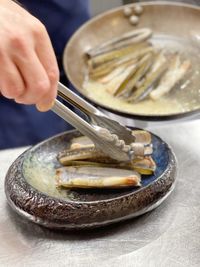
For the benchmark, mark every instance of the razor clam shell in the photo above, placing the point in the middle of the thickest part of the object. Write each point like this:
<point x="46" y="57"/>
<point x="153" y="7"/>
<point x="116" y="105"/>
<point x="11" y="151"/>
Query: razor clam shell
<point x="109" y="67"/>
<point x="148" y="150"/>
<point x="119" y="71"/>
<point x="159" y="60"/>
<point x="147" y="87"/>
<point x="145" y="165"/>
<point x="134" y="76"/>
<point x="117" y="83"/>
<point x="141" y="150"/>
<point x="134" y="36"/>
<point x="82" y="148"/>
<point x="96" y="61"/>
<point x="175" y="73"/>
<point x="145" y="162"/>
<point x="142" y="136"/>
<point x="81" y="140"/>
<point x="96" y="177"/>
<point x="81" y="153"/>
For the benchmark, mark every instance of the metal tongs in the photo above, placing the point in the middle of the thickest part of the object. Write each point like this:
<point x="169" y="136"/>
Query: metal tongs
<point x="108" y="135"/>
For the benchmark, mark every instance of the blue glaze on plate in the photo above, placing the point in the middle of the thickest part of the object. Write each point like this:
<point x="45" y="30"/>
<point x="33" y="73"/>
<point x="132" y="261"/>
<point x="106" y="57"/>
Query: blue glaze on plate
<point x="161" y="157"/>
<point x="77" y="209"/>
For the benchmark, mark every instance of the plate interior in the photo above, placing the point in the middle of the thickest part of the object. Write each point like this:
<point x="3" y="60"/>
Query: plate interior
<point x="41" y="161"/>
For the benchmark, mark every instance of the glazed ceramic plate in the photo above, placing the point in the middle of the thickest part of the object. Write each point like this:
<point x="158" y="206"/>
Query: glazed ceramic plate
<point x="175" y="27"/>
<point x="31" y="191"/>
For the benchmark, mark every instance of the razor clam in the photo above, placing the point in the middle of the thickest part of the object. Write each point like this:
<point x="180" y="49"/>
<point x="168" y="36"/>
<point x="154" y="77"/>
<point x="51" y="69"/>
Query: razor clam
<point x="145" y="89"/>
<point x="91" y="153"/>
<point x="175" y="73"/>
<point x="96" y="61"/>
<point x="114" y="84"/>
<point x="159" y="60"/>
<point x="140" y="149"/>
<point x="81" y="141"/>
<point x="117" y="79"/>
<point x="142" y="136"/>
<point x="144" y="165"/>
<point x="108" y="67"/>
<point x="83" y="152"/>
<point x="118" y="72"/>
<point x="133" y="77"/>
<point x="96" y="177"/>
<point x="126" y="39"/>
<point x="124" y="61"/>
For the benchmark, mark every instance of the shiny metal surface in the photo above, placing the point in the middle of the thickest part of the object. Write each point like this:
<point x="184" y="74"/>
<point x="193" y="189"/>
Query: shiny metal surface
<point x="164" y="18"/>
<point x="166" y="237"/>
<point x="144" y="124"/>
<point x="95" y="124"/>
<point x="94" y="115"/>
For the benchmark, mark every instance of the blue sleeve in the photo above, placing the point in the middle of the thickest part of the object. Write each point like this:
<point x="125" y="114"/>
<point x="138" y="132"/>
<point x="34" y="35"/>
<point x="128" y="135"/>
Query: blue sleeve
<point x="23" y="125"/>
<point x="61" y="18"/>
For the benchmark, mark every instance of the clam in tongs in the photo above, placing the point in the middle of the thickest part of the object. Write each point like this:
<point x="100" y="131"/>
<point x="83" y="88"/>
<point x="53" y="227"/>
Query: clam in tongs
<point x="108" y="135"/>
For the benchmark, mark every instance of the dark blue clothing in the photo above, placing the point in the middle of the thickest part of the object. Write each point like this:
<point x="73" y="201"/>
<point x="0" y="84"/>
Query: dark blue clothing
<point x="22" y="125"/>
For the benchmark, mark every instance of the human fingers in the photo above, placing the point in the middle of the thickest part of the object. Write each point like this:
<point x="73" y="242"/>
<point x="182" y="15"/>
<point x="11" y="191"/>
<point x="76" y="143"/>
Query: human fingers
<point x="11" y="83"/>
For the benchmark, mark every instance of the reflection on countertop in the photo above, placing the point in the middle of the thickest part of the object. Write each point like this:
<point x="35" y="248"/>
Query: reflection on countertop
<point x="168" y="236"/>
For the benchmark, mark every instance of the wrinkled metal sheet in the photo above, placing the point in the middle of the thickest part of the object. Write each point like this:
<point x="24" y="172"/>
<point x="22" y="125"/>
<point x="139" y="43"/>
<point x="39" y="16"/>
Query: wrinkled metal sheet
<point x="168" y="236"/>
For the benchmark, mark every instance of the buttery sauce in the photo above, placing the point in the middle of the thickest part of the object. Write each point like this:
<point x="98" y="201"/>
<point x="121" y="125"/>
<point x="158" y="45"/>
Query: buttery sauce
<point x="99" y="93"/>
<point x="184" y="97"/>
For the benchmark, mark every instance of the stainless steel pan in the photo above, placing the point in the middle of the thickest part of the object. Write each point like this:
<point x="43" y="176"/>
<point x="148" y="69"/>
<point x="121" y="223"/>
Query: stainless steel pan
<point x="175" y="25"/>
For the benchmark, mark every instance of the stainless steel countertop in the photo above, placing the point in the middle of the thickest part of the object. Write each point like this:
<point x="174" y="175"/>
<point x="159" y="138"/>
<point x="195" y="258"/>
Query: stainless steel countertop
<point x="169" y="236"/>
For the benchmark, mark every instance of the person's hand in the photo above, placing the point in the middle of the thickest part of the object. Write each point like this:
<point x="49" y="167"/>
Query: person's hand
<point x="28" y="67"/>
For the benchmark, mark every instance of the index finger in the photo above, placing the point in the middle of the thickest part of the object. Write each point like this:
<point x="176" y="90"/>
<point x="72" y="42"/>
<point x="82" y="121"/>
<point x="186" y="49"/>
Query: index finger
<point x="46" y="55"/>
